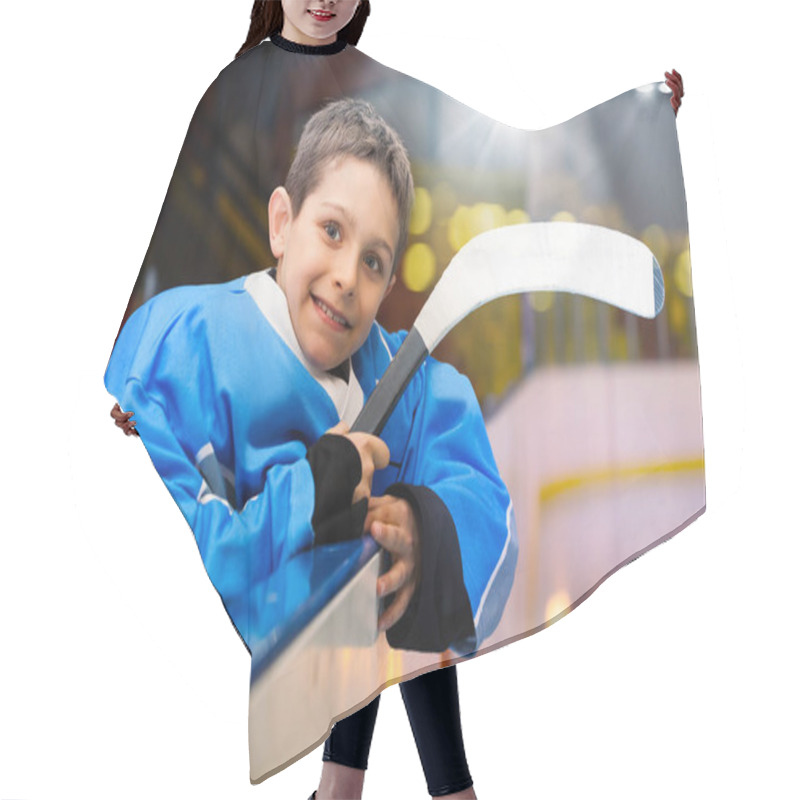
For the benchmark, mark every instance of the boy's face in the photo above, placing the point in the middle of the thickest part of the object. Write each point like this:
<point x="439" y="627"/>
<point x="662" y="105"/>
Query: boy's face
<point x="335" y="257"/>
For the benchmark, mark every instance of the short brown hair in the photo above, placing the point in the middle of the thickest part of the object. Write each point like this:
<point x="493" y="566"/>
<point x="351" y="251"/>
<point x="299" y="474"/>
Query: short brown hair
<point x="351" y="127"/>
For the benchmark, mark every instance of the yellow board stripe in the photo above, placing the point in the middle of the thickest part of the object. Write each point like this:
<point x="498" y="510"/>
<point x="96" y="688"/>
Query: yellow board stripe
<point x="578" y="480"/>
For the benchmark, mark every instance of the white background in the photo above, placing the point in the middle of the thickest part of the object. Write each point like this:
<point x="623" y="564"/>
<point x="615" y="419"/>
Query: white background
<point x="120" y="675"/>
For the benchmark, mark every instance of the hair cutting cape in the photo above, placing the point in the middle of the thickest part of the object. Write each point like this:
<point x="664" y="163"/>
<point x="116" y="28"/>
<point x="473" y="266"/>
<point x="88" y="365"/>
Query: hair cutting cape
<point x="574" y="446"/>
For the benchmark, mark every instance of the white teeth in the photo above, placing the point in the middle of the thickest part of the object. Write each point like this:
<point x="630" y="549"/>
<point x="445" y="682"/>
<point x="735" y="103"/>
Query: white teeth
<point x="329" y="313"/>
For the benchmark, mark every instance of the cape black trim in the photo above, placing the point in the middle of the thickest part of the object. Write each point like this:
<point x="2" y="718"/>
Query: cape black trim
<point x="308" y="49"/>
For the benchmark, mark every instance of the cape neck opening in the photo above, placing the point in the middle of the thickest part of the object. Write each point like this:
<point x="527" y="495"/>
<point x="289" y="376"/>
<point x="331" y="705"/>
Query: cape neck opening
<point x="308" y="49"/>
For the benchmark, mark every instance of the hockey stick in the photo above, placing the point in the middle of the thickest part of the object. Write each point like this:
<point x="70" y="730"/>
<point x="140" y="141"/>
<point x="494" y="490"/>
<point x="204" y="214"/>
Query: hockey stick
<point x="571" y="257"/>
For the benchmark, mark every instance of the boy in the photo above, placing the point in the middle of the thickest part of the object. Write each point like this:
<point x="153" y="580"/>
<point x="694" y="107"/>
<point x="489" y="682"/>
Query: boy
<point x="244" y="393"/>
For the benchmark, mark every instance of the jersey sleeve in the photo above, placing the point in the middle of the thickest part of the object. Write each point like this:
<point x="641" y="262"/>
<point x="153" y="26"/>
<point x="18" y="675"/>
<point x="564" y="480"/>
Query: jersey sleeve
<point x="469" y="552"/>
<point x="161" y="369"/>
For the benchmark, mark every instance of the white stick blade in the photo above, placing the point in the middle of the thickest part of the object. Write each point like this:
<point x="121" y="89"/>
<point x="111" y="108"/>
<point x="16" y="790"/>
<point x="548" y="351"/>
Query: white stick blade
<point x="589" y="260"/>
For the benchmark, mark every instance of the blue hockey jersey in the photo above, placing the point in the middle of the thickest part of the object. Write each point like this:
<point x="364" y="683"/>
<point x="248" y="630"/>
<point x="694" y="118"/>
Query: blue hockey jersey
<point x="227" y="407"/>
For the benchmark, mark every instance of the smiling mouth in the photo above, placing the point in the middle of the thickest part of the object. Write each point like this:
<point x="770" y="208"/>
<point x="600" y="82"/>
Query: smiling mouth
<point x="322" y="16"/>
<point x="330" y="313"/>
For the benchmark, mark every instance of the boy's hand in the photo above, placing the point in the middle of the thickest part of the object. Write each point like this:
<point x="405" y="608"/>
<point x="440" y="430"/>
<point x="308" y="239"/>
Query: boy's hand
<point x="374" y="455"/>
<point x="122" y="419"/>
<point x="392" y="524"/>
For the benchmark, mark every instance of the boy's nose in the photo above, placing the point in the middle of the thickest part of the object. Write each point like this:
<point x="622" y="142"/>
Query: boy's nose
<point x="345" y="275"/>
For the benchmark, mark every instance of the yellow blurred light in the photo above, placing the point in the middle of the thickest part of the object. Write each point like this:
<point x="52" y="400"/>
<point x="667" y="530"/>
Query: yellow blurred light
<point x="618" y="345"/>
<point x="466" y="223"/>
<point x="459" y="231"/>
<point x="517" y="217"/>
<point x="683" y="273"/>
<point x="486" y="217"/>
<point x="541" y="301"/>
<point x="556" y="603"/>
<point x="419" y="267"/>
<point x="563" y="216"/>
<point x="421" y="212"/>
<point x="394" y="665"/>
<point x="655" y="238"/>
<point x="676" y="312"/>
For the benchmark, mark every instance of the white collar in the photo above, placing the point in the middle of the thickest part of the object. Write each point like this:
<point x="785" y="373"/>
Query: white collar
<point x="348" y="398"/>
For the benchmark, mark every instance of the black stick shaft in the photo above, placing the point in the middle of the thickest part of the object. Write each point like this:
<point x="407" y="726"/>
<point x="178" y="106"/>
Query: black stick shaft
<point x="391" y="386"/>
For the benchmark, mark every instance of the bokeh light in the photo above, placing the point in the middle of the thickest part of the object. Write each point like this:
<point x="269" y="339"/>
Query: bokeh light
<point x="557" y="602"/>
<point x="517" y="216"/>
<point x="419" y="267"/>
<point x="683" y="273"/>
<point x="541" y="301"/>
<point x="394" y="664"/>
<point x="486" y="217"/>
<point x="458" y="228"/>
<point x="563" y="216"/>
<point x="421" y="212"/>
<point x="676" y="311"/>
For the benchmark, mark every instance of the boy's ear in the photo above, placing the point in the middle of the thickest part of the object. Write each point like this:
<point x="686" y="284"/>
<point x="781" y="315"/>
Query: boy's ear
<point x="280" y="217"/>
<point x="389" y="286"/>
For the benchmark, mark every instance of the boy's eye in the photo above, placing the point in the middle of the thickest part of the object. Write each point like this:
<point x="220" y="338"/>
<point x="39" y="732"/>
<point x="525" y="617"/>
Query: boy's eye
<point x="374" y="263"/>
<point x="332" y="229"/>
